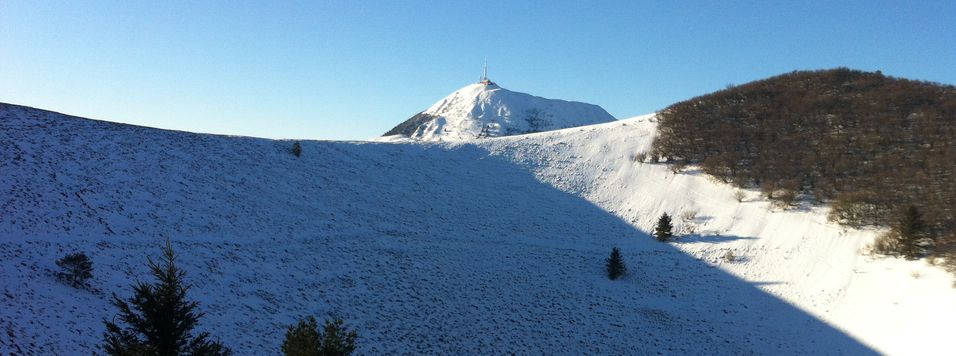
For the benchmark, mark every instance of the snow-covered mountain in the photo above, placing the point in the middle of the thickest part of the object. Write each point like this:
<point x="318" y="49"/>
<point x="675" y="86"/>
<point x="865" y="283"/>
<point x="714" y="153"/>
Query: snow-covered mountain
<point x="485" y="109"/>
<point x="480" y="247"/>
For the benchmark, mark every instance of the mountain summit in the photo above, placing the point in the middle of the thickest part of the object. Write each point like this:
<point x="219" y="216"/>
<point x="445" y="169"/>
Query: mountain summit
<point x="485" y="109"/>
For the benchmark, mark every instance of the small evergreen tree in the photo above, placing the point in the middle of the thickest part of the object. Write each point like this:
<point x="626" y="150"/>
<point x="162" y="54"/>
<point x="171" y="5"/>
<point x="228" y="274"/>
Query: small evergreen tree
<point x="305" y="338"/>
<point x="302" y="339"/>
<point x="158" y="319"/>
<point x="76" y="268"/>
<point x="910" y="231"/>
<point x="615" y="264"/>
<point x="297" y="149"/>
<point x="338" y="340"/>
<point x="663" y="231"/>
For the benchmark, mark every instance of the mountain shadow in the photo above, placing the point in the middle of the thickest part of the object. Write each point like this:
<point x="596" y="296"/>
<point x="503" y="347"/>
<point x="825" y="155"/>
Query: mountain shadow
<point x="423" y="248"/>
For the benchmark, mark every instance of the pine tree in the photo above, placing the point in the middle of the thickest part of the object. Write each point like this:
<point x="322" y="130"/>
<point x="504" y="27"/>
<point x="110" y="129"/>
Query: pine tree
<point x="76" y="268"/>
<point x="302" y="339"/>
<point x="305" y="339"/>
<point x="158" y="319"/>
<point x="337" y="339"/>
<point x="297" y="149"/>
<point x="615" y="264"/>
<point x="663" y="230"/>
<point x="910" y="230"/>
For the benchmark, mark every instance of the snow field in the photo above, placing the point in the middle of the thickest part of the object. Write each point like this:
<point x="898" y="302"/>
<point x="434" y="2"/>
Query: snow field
<point x="466" y="248"/>
<point x="795" y="254"/>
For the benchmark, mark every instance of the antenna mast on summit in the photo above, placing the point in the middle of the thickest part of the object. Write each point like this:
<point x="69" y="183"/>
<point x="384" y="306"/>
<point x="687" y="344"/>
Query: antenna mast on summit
<point x="484" y="74"/>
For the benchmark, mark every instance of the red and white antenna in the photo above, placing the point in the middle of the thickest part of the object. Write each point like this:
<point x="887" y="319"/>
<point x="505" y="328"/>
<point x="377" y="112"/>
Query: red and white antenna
<point x="484" y="74"/>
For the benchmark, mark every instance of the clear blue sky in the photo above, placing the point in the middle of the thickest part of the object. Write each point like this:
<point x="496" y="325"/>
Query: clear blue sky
<point x="353" y="69"/>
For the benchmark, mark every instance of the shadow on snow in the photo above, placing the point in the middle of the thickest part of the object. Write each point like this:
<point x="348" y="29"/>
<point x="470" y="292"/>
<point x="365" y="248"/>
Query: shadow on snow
<point x="425" y="248"/>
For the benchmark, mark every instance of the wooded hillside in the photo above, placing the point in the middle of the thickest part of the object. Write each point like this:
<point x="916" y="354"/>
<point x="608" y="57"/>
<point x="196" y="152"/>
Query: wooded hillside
<point x="869" y="144"/>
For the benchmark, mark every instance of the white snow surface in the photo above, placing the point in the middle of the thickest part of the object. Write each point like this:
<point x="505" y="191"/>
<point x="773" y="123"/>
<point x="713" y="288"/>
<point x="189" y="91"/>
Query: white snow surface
<point x="463" y="114"/>
<point x="483" y="247"/>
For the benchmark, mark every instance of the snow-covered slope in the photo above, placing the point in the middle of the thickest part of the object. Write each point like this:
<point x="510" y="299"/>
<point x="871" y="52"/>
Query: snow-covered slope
<point x="492" y="246"/>
<point x="897" y="306"/>
<point x="488" y="110"/>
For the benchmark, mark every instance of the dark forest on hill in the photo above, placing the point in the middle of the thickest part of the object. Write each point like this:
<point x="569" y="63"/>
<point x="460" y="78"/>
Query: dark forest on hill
<point x="869" y="144"/>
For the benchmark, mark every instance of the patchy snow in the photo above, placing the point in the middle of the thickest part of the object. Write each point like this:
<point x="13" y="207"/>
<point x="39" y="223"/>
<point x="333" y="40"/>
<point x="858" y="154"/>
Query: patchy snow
<point x="488" y="110"/>
<point x="492" y="246"/>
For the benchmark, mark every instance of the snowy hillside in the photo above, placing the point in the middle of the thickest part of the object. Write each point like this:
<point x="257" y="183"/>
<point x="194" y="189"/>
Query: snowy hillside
<point x="894" y="305"/>
<point x="487" y="110"/>
<point x="489" y="247"/>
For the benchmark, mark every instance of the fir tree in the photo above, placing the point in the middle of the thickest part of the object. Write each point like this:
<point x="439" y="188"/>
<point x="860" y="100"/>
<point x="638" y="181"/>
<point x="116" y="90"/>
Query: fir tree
<point x="663" y="230"/>
<point x="305" y="339"/>
<point x="76" y="268"/>
<point x="910" y="230"/>
<point x="338" y="340"/>
<point x="297" y="149"/>
<point x="158" y="319"/>
<point x="615" y="264"/>
<point x="302" y="339"/>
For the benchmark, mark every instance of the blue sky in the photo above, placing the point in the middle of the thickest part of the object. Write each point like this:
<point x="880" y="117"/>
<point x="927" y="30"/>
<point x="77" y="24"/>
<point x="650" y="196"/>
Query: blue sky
<point x="353" y="69"/>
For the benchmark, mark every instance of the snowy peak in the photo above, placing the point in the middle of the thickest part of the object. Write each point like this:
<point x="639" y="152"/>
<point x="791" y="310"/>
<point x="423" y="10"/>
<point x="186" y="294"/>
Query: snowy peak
<point x="485" y="109"/>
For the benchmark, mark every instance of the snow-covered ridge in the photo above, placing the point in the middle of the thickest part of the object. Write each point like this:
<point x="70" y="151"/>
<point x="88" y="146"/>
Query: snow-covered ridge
<point x="490" y="246"/>
<point x="488" y="110"/>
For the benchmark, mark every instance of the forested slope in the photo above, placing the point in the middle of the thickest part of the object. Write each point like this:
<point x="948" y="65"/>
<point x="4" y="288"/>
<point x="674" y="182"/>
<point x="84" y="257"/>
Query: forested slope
<point x="870" y="144"/>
